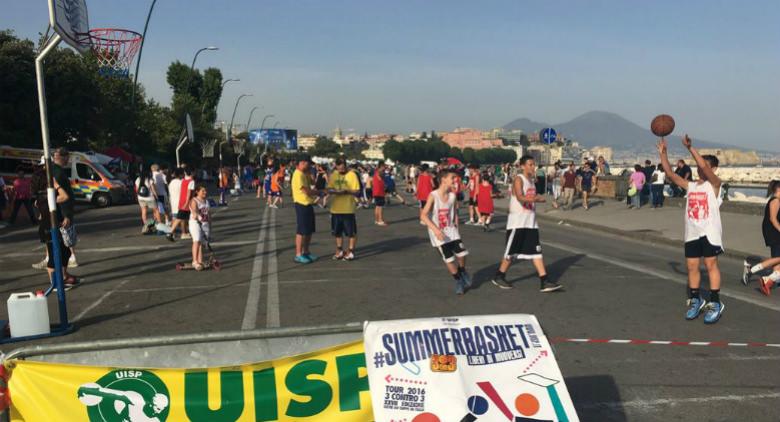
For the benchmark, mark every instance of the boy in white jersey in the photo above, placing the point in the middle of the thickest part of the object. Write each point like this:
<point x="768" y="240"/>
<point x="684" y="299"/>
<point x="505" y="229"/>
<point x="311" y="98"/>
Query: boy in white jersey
<point x="522" y="230"/>
<point x="703" y="231"/>
<point x="443" y="229"/>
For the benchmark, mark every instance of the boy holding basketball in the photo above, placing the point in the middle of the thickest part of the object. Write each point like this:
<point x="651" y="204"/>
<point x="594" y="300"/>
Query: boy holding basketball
<point x="703" y="231"/>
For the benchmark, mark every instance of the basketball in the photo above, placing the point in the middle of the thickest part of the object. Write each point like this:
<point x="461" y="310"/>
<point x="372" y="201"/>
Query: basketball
<point x="662" y="125"/>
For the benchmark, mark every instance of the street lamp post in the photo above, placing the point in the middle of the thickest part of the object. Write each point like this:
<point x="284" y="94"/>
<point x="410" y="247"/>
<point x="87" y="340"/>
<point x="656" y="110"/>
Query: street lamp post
<point x="225" y="82"/>
<point x="230" y="128"/>
<point x="182" y="138"/>
<point x="140" y="51"/>
<point x="248" y="122"/>
<point x="262" y="125"/>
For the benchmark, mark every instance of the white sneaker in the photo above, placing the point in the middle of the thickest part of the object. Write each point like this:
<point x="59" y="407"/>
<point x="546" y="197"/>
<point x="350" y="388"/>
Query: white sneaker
<point x="40" y="265"/>
<point x="186" y="236"/>
<point x="72" y="262"/>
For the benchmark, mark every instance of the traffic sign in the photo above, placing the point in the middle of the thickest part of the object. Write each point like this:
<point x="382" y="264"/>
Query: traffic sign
<point x="548" y="135"/>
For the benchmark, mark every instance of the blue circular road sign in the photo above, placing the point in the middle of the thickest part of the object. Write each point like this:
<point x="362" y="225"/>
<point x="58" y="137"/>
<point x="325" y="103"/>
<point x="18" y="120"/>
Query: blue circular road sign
<point x="548" y="135"/>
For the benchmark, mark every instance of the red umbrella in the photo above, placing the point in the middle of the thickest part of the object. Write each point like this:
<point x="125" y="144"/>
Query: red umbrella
<point x="454" y="161"/>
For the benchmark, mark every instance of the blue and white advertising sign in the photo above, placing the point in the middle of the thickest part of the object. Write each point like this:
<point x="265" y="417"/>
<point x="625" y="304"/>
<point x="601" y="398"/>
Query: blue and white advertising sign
<point x="277" y="138"/>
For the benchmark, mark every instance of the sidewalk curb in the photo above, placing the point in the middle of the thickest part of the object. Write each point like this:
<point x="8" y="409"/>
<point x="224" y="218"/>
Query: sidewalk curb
<point x="731" y="253"/>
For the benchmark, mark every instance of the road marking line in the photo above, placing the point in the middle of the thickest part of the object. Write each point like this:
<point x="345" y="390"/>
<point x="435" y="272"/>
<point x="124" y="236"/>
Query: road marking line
<point x="100" y="300"/>
<point x="253" y="296"/>
<point x="618" y="405"/>
<point x="661" y="342"/>
<point x="661" y="274"/>
<point x="272" y="306"/>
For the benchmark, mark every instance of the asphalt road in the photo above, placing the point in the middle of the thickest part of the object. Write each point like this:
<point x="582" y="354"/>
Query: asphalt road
<point x="615" y="288"/>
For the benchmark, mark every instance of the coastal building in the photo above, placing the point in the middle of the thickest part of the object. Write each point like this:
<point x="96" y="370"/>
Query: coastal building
<point x="470" y="138"/>
<point x="733" y="157"/>
<point x="374" y="153"/>
<point x="306" y="141"/>
<point x="596" y="152"/>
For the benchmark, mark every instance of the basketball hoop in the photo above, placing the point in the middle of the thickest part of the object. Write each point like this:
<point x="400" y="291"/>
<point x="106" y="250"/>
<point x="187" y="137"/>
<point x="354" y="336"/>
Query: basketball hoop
<point x="208" y="148"/>
<point x="238" y="146"/>
<point x="114" y="49"/>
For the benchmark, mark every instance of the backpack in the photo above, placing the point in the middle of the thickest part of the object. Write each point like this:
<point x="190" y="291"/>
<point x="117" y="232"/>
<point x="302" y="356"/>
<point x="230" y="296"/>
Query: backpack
<point x="143" y="190"/>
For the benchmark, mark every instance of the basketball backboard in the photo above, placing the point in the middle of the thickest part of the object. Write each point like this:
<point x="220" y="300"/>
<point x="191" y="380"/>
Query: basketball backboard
<point x="70" y="20"/>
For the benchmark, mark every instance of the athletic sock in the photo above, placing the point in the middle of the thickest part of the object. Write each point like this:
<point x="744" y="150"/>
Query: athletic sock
<point x="543" y="279"/>
<point x="756" y="268"/>
<point x="693" y="293"/>
<point x="500" y="275"/>
<point x="775" y="276"/>
<point x="456" y="276"/>
<point x="715" y="296"/>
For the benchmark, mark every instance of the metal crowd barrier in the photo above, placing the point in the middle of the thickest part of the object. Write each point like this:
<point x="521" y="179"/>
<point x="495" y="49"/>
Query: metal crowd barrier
<point x="192" y="350"/>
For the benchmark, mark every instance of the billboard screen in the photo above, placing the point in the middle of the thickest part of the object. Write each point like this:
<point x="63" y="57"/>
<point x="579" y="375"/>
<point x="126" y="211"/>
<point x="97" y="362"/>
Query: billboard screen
<point x="277" y="138"/>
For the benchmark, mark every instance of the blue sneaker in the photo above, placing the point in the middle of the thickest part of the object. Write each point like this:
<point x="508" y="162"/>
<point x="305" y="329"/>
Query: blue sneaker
<point x="302" y="259"/>
<point x="311" y="257"/>
<point x="713" y="312"/>
<point x="459" y="286"/>
<point x="695" y="306"/>
<point x="466" y="277"/>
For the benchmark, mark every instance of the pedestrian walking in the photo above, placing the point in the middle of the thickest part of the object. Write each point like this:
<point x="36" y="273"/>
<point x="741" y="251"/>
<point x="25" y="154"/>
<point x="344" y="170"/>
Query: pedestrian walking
<point x="304" y="197"/>
<point x="424" y="188"/>
<point x="161" y="192"/>
<point x="473" y="186"/>
<point x="62" y="162"/>
<point x="658" y="179"/>
<point x="485" y="202"/>
<point x="588" y="181"/>
<point x="770" y="228"/>
<point x="443" y="230"/>
<point x="378" y="192"/>
<point x="703" y="231"/>
<point x="22" y="197"/>
<point x="39" y="187"/>
<point x="144" y="191"/>
<point x="343" y="184"/>
<point x="636" y="182"/>
<point x="522" y="230"/>
<point x="569" y="183"/>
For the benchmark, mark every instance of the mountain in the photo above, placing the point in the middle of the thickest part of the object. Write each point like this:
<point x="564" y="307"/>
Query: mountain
<point x="602" y="128"/>
<point x="526" y="125"/>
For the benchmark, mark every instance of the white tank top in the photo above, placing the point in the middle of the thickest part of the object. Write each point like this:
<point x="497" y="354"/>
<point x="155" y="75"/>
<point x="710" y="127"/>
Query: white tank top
<point x="203" y="211"/>
<point x="522" y="215"/>
<point x="443" y="216"/>
<point x="702" y="214"/>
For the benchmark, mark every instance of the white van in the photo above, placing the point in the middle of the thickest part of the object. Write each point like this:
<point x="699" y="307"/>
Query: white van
<point x="89" y="180"/>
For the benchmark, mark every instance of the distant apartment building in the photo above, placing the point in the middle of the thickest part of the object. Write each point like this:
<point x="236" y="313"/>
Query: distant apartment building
<point x="512" y="136"/>
<point x="596" y="152"/>
<point x="307" y="141"/>
<point x="470" y="138"/>
<point x="733" y="157"/>
<point x="374" y="153"/>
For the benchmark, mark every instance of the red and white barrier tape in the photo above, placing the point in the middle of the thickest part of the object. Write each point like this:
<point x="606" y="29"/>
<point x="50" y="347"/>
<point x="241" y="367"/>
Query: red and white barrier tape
<point x="663" y="342"/>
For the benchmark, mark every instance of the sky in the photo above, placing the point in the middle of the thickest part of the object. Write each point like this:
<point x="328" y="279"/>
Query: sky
<point x="401" y="66"/>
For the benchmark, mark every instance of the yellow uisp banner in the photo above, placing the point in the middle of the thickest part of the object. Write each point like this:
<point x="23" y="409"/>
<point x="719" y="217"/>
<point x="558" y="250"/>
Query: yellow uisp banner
<point x="326" y="385"/>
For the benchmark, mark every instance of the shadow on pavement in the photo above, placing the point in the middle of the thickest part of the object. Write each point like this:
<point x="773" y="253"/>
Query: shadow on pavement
<point x="592" y="391"/>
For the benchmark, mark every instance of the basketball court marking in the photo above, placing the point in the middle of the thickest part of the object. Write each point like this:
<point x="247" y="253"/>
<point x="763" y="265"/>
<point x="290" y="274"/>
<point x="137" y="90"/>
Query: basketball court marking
<point x="662" y="275"/>
<point x="662" y="342"/>
<point x="100" y="300"/>
<point x="253" y="296"/>
<point x="272" y="307"/>
<point x="647" y="404"/>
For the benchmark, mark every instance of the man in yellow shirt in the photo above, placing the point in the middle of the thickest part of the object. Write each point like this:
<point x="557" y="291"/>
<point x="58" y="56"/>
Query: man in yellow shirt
<point x="343" y="185"/>
<point x="303" y="198"/>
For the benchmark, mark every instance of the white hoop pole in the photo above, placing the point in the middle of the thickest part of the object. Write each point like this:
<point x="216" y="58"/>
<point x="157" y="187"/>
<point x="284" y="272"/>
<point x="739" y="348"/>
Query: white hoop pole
<point x="50" y="195"/>
<point x="182" y="141"/>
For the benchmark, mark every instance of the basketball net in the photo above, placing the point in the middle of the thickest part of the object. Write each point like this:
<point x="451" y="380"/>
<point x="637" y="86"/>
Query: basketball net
<point x="114" y="49"/>
<point x="208" y="148"/>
